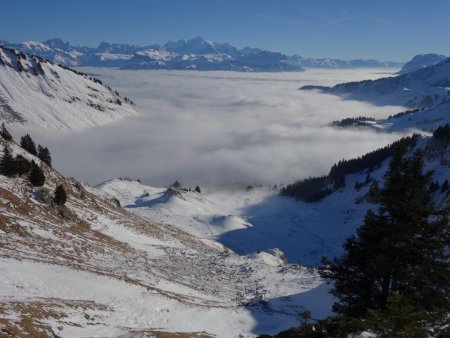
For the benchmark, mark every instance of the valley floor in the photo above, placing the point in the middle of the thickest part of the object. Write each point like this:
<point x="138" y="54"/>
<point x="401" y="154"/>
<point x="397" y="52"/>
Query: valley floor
<point x="102" y="271"/>
<point x="250" y="221"/>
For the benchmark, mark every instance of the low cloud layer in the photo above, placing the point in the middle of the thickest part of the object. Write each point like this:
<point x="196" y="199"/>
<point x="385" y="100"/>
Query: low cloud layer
<point x="220" y="128"/>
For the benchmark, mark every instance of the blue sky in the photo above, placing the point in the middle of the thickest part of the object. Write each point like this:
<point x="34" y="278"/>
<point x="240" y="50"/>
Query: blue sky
<point x="385" y="29"/>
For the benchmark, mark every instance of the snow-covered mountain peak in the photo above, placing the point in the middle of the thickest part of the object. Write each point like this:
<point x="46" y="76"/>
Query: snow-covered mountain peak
<point x="20" y="62"/>
<point x="36" y="45"/>
<point x="57" y="43"/>
<point x="199" y="46"/>
<point x="420" y="61"/>
<point x="119" y="48"/>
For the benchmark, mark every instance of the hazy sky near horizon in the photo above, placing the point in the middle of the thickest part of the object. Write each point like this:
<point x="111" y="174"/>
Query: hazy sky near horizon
<point x="348" y="29"/>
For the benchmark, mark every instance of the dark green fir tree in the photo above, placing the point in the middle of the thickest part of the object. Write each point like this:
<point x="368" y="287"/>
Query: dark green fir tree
<point x="5" y="133"/>
<point x="402" y="249"/>
<point x="21" y="165"/>
<point x="44" y="155"/>
<point x="27" y="143"/>
<point x="36" y="176"/>
<point x="7" y="163"/>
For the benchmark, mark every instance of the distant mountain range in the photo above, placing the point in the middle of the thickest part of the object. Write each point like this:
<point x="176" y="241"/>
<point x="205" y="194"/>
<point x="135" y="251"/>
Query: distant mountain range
<point x="337" y="63"/>
<point x="194" y="54"/>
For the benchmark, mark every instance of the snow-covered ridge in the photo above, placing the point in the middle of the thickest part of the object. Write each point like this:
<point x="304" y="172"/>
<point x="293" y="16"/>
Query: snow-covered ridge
<point x="415" y="120"/>
<point x="422" y="88"/>
<point x="36" y="92"/>
<point x="424" y="120"/>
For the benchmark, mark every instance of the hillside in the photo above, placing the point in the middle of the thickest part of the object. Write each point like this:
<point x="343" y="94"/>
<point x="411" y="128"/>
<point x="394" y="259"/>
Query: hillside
<point x="91" y="268"/>
<point x="422" y="120"/>
<point x="360" y="173"/>
<point x="56" y="97"/>
<point x="422" y="88"/>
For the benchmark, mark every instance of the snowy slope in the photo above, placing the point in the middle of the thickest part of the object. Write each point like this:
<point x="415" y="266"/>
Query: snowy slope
<point x="103" y="271"/>
<point x="260" y="219"/>
<point x="248" y="221"/>
<point x="422" y="88"/>
<point x="39" y="93"/>
<point x="422" y="120"/>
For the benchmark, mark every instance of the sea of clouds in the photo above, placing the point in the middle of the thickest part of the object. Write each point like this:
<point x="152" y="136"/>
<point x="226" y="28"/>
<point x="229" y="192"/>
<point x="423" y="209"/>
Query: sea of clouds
<point x="213" y="128"/>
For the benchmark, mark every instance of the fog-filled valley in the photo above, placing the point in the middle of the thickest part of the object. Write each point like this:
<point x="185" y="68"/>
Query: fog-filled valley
<point x="220" y="128"/>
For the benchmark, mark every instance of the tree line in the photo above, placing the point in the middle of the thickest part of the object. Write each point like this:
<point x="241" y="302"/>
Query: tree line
<point x="360" y="121"/>
<point x="442" y="133"/>
<point x="314" y="189"/>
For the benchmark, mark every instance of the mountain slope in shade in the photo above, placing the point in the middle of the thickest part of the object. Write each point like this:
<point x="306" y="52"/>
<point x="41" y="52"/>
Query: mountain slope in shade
<point x="421" y="61"/>
<point x="91" y="268"/>
<point x="422" y="88"/>
<point x="40" y="93"/>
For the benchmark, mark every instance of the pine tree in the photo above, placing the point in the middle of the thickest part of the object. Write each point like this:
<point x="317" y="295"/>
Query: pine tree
<point x="36" y="176"/>
<point x="5" y="133"/>
<point x="27" y="143"/>
<point x="403" y="248"/>
<point x="44" y="155"/>
<point x="7" y="163"/>
<point x="197" y="189"/>
<point x="21" y="165"/>
<point x="60" y="195"/>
